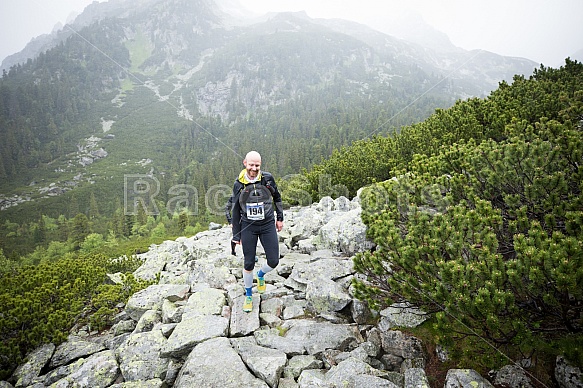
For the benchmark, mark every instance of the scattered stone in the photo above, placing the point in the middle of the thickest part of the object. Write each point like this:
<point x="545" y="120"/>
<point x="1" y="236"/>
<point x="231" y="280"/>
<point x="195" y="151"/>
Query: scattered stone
<point x="139" y="356"/>
<point x="35" y="361"/>
<point x="462" y="378"/>
<point x="402" y="315"/>
<point x="72" y="350"/>
<point x="217" y="364"/>
<point x="511" y="376"/>
<point x="99" y="370"/>
<point x="567" y="375"/>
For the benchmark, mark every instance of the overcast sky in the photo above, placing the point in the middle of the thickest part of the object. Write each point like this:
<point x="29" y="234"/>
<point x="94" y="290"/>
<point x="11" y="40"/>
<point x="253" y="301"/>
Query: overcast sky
<point x="544" y="31"/>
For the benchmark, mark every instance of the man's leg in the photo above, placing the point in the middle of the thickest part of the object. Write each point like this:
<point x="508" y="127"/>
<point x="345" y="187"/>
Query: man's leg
<point x="270" y="243"/>
<point x="249" y="242"/>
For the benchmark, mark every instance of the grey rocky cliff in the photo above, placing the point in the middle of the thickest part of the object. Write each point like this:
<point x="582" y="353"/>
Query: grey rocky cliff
<point x="306" y="330"/>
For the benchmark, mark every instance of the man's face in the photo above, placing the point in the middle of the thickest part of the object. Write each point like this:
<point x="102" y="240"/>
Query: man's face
<point x="253" y="165"/>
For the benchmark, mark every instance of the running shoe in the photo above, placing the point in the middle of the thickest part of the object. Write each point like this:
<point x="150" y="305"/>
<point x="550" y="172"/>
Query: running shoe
<point x="248" y="305"/>
<point x="261" y="285"/>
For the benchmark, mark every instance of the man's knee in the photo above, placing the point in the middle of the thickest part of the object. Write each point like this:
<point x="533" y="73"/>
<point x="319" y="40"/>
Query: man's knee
<point x="273" y="262"/>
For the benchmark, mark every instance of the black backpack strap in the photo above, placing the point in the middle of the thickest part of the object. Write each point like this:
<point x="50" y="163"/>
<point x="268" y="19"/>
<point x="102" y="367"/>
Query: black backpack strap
<point x="266" y="180"/>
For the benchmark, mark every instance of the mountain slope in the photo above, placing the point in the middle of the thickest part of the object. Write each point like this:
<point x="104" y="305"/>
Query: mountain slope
<point x="188" y="88"/>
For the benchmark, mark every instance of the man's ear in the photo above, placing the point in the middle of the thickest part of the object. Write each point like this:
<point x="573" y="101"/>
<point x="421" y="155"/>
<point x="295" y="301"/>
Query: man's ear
<point x="245" y="162"/>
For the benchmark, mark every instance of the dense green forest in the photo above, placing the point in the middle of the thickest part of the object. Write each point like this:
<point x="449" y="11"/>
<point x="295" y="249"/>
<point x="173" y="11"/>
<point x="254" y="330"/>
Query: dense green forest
<point x="44" y="105"/>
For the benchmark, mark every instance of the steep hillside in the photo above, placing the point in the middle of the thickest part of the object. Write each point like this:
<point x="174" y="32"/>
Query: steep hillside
<point x="181" y="90"/>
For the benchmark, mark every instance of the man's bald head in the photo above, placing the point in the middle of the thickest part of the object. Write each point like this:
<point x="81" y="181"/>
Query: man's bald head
<point x="252" y="164"/>
<point x="253" y="155"/>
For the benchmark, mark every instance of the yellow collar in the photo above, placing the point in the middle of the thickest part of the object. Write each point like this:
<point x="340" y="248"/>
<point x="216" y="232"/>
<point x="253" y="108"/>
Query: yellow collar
<point x="244" y="180"/>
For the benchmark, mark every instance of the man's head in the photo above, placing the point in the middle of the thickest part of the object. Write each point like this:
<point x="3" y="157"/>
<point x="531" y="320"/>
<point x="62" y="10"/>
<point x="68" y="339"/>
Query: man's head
<point x="252" y="164"/>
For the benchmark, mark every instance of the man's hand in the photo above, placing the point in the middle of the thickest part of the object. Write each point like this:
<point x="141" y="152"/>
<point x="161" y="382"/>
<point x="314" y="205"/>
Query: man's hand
<point x="279" y="225"/>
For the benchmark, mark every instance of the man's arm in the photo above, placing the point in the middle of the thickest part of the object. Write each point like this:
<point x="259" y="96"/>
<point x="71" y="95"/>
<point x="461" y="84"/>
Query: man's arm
<point x="236" y="213"/>
<point x="277" y="201"/>
<point x="228" y="209"/>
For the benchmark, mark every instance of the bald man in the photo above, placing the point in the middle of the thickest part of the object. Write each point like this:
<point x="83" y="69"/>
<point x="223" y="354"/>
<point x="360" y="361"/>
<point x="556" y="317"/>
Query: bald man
<point x="258" y="211"/>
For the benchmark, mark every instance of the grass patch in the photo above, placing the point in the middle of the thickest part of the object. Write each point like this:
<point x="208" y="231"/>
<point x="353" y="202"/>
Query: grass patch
<point x="127" y="85"/>
<point x="140" y="49"/>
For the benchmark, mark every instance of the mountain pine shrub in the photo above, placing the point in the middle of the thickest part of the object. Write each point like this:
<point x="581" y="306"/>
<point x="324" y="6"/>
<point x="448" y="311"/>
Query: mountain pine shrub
<point x="41" y="303"/>
<point x="477" y="217"/>
<point x="487" y="236"/>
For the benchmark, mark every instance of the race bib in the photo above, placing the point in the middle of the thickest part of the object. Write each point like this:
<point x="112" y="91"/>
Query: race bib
<point x="255" y="211"/>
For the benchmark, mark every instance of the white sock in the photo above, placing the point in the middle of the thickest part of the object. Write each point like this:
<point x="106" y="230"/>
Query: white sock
<point x="248" y="279"/>
<point x="265" y="269"/>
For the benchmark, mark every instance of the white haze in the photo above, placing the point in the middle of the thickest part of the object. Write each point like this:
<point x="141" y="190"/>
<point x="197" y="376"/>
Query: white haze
<point x="541" y="30"/>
